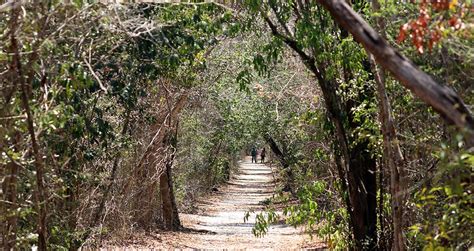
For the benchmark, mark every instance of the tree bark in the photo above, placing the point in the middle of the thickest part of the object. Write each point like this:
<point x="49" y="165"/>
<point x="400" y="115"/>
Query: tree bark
<point x="39" y="165"/>
<point x="9" y="172"/>
<point x="352" y="165"/>
<point x="39" y="194"/>
<point x="443" y="99"/>
<point x="170" y="209"/>
<point x="393" y="157"/>
<point x="155" y="173"/>
<point x="9" y="212"/>
<point x="362" y="164"/>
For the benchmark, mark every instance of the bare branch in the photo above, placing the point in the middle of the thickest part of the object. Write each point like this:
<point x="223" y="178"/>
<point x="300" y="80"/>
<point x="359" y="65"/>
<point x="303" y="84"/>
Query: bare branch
<point x="87" y="62"/>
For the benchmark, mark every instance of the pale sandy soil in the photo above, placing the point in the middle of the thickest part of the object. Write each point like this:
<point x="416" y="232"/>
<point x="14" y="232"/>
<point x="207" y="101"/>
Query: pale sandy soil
<point x="220" y="224"/>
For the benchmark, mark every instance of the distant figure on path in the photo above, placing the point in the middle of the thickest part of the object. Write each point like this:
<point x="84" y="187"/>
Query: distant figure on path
<point x="254" y="155"/>
<point x="262" y="155"/>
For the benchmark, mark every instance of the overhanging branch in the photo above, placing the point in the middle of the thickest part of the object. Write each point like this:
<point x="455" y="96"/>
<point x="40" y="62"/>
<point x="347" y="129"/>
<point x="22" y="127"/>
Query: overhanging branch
<point x="442" y="98"/>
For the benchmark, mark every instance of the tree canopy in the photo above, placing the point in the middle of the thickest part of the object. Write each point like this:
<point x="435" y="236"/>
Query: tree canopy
<point x="117" y="117"/>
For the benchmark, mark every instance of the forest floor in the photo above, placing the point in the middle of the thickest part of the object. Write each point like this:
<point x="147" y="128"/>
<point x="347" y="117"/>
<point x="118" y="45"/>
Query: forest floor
<point x="219" y="223"/>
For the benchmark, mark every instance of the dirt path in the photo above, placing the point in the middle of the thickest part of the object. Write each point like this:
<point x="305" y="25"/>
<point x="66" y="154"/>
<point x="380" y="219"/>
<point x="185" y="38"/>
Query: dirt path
<point x="221" y="224"/>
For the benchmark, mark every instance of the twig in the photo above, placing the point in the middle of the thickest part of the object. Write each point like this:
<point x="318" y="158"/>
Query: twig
<point x="92" y="70"/>
<point x="13" y="117"/>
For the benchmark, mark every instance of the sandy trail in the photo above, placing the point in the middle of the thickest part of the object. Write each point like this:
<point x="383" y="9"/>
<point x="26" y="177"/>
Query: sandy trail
<point x="221" y="224"/>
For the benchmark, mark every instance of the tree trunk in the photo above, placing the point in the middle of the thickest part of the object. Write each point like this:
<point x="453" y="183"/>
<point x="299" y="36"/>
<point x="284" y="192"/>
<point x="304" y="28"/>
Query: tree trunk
<point x="24" y="83"/>
<point x="393" y="157"/>
<point x="359" y="168"/>
<point x="289" y="184"/>
<point x="383" y="243"/>
<point x="40" y="202"/>
<point x="9" y="172"/>
<point x="170" y="209"/>
<point x="9" y="175"/>
<point x="362" y="164"/>
<point x="353" y="164"/>
<point x="9" y="223"/>
<point x="363" y="196"/>
<point x="444" y="100"/>
<point x="156" y="158"/>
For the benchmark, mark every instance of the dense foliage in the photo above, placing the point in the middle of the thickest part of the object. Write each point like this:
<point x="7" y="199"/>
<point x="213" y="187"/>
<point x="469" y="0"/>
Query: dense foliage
<point x="117" y="117"/>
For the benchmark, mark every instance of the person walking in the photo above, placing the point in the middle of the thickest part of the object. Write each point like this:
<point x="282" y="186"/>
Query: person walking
<point x="254" y="155"/>
<point x="262" y="155"/>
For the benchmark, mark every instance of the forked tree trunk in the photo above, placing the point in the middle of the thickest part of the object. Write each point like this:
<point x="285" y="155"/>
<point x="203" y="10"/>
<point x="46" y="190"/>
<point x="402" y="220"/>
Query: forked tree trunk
<point x="157" y="158"/>
<point x="153" y="159"/>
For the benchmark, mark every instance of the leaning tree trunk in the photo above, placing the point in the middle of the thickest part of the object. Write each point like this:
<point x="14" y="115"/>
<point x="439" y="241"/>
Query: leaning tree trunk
<point x="39" y="194"/>
<point x="24" y="83"/>
<point x="352" y="168"/>
<point x="443" y="99"/>
<point x="170" y="209"/>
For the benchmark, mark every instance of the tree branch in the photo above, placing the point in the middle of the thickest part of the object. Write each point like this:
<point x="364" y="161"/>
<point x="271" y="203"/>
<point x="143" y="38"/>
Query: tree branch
<point x="442" y="98"/>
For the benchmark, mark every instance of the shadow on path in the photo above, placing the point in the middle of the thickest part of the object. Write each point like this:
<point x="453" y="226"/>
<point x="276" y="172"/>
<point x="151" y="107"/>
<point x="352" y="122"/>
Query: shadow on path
<point x="223" y="214"/>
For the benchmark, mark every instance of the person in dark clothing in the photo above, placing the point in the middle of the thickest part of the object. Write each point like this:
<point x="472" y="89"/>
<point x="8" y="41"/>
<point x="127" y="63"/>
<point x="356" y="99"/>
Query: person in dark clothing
<point x="262" y="155"/>
<point x="254" y="155"/>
